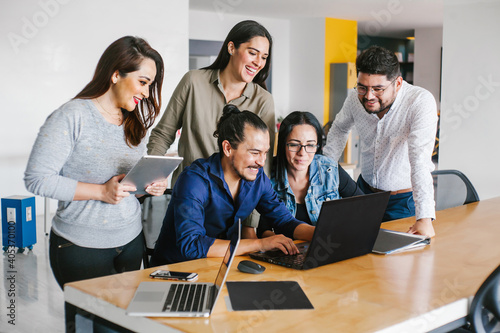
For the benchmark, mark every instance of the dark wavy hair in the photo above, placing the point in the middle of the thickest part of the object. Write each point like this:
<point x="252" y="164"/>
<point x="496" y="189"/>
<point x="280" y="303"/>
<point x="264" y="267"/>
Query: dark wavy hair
<point x="241" y="33"/>
<point x="378" y="60"/>
<point x="231" y="125"/>
<point x="287" y="125"/>
<point x="125" y="55"/>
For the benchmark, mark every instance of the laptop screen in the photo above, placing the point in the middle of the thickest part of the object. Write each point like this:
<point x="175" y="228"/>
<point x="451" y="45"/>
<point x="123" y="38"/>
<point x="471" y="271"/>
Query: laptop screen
<point x="219" y="280"/>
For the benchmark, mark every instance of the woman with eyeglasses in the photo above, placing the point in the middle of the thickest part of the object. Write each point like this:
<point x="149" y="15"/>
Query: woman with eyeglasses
<point x="302" y="177"/>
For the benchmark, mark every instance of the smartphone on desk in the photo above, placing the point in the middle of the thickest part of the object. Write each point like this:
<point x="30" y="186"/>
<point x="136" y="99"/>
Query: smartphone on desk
<point x="171" y="275"/>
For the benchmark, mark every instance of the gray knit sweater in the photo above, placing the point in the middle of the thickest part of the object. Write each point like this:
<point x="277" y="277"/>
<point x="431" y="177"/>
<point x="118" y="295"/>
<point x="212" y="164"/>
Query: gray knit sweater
<point x="76" y="144"/>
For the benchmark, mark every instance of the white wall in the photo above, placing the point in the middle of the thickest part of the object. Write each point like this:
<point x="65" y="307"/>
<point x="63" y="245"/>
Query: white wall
<point x="307" y="65"/>
<point x="49" y="52"/>
<point x="427" y="63"/>
<point x="219" y="25"/>
<point x="471" y="93"/>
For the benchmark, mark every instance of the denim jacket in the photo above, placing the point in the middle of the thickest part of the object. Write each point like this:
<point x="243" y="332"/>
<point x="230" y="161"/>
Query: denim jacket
<point x="323" y="185"/>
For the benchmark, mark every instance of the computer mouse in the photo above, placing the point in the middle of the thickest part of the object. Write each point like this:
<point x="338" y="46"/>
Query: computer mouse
<point x="251" y="267"/>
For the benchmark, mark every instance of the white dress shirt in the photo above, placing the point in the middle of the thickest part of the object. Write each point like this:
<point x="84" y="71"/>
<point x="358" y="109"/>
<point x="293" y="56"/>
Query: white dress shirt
<point x="396" y="150"/>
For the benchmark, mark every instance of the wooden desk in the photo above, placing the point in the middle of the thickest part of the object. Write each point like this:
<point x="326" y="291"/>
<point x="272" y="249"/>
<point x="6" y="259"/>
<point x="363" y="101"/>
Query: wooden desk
<point x="414" y="291"/>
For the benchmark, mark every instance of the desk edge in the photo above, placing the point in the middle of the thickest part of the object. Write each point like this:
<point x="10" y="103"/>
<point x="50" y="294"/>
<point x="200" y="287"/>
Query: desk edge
<point x="112" y="313"/>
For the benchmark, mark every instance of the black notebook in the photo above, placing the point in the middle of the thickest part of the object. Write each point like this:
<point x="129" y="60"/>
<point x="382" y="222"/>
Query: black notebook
<point x="267" y="295"/>
<point x="389" y="241"/>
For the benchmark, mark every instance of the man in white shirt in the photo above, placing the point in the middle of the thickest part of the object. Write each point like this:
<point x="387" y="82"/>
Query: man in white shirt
<point x="396" y="122"/>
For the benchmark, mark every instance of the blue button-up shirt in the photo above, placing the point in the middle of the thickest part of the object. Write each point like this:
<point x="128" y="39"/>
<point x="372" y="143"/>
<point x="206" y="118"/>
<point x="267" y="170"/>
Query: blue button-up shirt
<point x="323" y="185"/>
<point x="202" y="209"/>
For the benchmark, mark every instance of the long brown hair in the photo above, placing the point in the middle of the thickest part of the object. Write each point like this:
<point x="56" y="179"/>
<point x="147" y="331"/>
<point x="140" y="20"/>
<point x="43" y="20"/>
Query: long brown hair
<point x="125" y="55"/>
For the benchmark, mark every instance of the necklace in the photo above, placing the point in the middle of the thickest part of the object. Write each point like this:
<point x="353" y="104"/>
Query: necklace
<point x="117" y="116"/>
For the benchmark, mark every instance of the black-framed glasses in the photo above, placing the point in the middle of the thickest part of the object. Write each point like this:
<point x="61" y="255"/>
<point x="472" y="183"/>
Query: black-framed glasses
<point x="376" y="91"/>
<point x="296" y="147"/>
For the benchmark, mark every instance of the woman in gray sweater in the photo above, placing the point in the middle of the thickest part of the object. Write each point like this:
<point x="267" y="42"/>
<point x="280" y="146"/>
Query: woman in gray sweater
<point x="83" y="150"/>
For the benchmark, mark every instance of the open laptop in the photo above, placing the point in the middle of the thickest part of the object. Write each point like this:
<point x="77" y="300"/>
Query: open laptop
<point x="183" y="299"/>
<point x="346" y="228"/>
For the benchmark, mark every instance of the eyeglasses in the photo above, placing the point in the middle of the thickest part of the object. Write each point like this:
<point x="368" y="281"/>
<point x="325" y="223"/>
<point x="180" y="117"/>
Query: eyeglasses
<point x="295" y="147"/>
<point x="376" y="91"/>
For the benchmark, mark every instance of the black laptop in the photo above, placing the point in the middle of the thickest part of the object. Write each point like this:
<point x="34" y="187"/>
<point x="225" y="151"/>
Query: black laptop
<point x="346" y="228"/>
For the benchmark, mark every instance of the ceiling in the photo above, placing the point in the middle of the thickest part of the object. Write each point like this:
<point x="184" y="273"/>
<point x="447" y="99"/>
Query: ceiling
<point x="388" y="18"/>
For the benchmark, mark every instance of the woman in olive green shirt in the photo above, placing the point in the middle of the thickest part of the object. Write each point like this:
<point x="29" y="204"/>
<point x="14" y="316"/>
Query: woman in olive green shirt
<point x="236" y="77"/>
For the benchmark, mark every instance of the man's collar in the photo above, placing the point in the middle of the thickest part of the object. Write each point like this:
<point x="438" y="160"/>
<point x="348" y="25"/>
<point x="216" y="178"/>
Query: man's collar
<point x="397" y="100"/>
<point x="215" y="163"/>
<point x="400" y="92"/>
<point x="216" y="172"/>
<point x="216" y="166"/>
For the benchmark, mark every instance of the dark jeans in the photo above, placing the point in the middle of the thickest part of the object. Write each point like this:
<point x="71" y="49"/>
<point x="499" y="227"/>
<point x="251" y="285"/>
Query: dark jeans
<point x="400" y="205"/>
<point x="70" y="262"/>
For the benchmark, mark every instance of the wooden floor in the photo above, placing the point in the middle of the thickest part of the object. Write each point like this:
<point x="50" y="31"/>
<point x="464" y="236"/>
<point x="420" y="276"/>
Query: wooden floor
<point x="39" y="302"/>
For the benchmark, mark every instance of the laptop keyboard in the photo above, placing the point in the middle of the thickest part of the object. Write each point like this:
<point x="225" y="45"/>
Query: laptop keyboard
<point x="184" y="297"/>
<point x="288" y="260"/>
<point x="277" y="257"/>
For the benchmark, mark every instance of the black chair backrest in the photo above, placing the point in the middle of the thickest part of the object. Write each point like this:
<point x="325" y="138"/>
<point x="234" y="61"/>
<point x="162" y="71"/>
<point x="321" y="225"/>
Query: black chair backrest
<point x="452" y="188"/>
<point x="153" y="213"/>
<point x="484" y="313"/>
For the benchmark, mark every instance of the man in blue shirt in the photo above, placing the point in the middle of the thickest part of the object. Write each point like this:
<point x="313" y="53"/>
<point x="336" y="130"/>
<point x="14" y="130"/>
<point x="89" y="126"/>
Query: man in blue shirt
<point x="212" y="194"/>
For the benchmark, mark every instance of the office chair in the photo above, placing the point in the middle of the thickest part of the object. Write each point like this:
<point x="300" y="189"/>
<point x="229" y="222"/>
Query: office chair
<point x="452" y="188"/>
<point x="154" y="209"/>
<point x="484" y="312"/>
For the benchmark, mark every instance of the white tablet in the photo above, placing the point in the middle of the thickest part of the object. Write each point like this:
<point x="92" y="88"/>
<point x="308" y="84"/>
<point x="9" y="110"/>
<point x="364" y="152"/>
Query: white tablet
<point x="150" y="169"/>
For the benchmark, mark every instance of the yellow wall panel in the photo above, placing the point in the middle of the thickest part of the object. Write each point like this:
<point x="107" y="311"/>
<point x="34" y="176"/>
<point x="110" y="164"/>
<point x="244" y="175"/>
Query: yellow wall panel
<point x="341" y="37"/>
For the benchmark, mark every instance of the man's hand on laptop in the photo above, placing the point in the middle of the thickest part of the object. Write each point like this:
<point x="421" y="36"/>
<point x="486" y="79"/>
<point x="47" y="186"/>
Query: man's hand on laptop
<point x="279" y="242"/>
